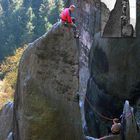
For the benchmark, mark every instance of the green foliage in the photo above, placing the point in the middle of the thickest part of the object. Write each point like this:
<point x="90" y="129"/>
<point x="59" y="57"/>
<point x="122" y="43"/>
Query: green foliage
<point x="9" y="68"/>
<point x="22" y="21"/>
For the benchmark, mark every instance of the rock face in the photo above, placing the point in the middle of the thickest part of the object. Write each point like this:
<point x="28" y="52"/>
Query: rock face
<point x="116" y="69"/>
<point x="88" y="16"/>
<point x="114" y="77"/>
<point x="137" y="108"/>
<point x="129" y="123"/>
<point x="44" y="107"/>
<point x="6" y="120"/>
<point x="98" y="107"/>
<point x="113" y="26"/>
<point x="105" y="12"/>
<point x="47" y="84"/>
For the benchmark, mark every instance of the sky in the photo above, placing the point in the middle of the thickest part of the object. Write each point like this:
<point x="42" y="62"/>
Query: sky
<point x="110" y="4"/>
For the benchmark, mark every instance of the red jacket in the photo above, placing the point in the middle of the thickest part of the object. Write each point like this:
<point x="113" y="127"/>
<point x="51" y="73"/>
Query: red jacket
<point x="66" y="16"/>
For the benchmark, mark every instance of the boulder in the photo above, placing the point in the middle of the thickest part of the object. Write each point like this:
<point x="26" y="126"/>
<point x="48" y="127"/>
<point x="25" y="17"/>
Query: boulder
<point x="6" y="120"/>
<point x="88" y="17"/>
<point x="113" y="25"/>
<point x="10" y="136"/>
<point x="44" y="107"/>
<point x="105" y="12"/>
<point x="114" y="77"/>
<point x="130" y="128"/>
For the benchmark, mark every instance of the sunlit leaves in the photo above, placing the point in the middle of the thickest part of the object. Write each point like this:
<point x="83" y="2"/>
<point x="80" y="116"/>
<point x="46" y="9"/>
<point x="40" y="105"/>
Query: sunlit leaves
<point x="9" y="68"/>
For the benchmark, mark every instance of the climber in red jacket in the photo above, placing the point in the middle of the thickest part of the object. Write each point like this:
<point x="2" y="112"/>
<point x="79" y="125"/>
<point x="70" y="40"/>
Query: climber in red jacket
<point x="69" y="21"/>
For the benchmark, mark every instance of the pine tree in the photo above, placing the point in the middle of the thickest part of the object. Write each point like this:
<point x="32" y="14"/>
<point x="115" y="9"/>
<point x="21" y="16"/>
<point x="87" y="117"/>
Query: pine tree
<point x="30" y="27"/>
<point x="22" y="21"/>
<point x="59" y="4"/>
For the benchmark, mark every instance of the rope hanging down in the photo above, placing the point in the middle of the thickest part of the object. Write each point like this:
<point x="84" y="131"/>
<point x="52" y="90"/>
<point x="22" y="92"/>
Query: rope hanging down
<point x="102" y="116"/>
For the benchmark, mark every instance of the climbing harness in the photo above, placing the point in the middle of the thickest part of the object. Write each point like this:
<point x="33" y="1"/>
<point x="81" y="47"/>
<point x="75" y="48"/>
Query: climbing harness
<point x="73" y="26"/>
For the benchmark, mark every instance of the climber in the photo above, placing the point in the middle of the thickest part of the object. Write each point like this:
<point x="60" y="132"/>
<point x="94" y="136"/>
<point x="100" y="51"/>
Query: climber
<point x="116" y="127"/>
<point x="69" y="21"/>
<point x="124" y="4"/>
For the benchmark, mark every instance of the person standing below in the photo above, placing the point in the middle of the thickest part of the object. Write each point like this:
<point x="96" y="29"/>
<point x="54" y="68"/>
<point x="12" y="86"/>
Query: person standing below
<point x="116" y="127"/>
<point x="68" y="20"/>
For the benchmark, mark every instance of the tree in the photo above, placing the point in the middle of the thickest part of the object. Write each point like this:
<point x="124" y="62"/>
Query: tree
<point x="30" y="27"/>
<point x="9" y="69"/>
<point x="22" y="21"/>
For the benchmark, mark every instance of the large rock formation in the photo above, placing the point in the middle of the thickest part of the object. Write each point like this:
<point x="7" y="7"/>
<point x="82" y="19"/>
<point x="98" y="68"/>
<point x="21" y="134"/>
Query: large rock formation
<point x="114" y="77"/>
<point x="130" y="128"/>
<point x="47" y="83"/>
<point x="88" y="17"/>
<point x="113" y="26"/>
<point x="105" y="12"/>
<point x="6" y="120"/>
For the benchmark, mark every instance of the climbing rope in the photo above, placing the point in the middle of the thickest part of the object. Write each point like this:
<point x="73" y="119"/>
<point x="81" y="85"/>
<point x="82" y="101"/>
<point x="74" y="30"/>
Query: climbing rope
<point x="102" y="116"/>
